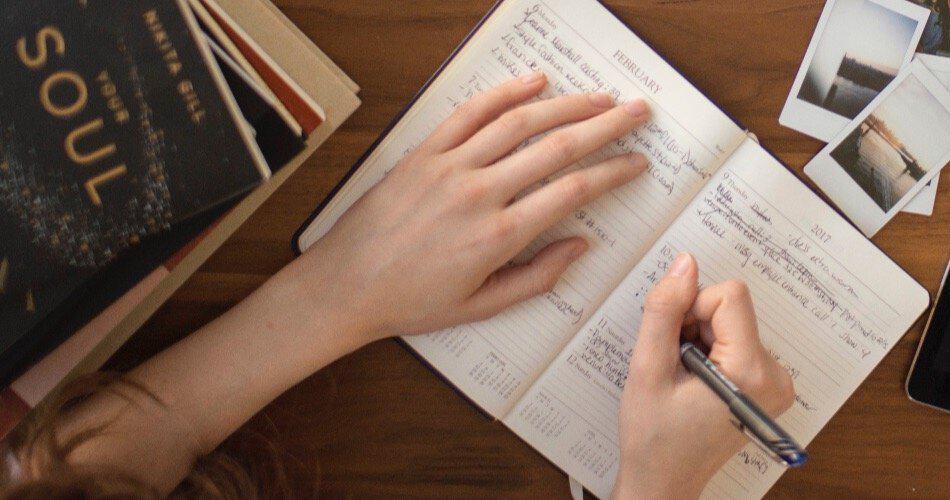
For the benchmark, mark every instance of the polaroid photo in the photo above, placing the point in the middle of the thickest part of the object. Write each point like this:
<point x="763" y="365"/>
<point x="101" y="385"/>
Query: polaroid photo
<point x="923" y="203"/>
<point x="859" y="46"/>
<point x="891" y="150"/>
<point x="938" y="65"/>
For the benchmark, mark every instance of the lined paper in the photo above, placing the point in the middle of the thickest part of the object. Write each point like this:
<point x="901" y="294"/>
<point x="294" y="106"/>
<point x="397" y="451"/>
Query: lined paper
<point x="553" y="368"/>
<point x="822" y="316"/>
<point x="582" y="48"/>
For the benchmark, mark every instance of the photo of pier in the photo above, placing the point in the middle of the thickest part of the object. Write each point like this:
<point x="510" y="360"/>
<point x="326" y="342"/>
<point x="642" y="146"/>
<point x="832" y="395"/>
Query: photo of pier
<point x="861" y="49"/>
<point x="897" y="145"/>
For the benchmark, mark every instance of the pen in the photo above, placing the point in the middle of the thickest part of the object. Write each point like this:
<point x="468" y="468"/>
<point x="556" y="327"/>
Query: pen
<point x="750" y="418"/>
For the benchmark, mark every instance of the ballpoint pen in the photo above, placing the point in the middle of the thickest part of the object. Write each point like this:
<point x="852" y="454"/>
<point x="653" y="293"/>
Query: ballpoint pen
<point x="749" y="417"/>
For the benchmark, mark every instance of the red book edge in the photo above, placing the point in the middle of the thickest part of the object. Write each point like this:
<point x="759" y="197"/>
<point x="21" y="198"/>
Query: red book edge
<point x="301" y="106"/>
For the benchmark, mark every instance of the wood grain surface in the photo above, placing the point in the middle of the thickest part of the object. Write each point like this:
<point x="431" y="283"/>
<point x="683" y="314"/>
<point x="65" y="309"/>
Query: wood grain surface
<point x="379" y="423"/>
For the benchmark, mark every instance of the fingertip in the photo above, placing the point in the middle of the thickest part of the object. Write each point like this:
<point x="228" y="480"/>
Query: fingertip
<point x="683" y="266"/>
<point x="637" y="108"/>
<point x="578" y="248"/>
<point x="557" y="256"/>
<point x="534" y="79"/>
<point x="638" y="162"/>
<point x="551" y="263"/>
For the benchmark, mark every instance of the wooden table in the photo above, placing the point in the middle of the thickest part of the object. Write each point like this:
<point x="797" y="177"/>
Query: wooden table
<point x="378" y="423"/>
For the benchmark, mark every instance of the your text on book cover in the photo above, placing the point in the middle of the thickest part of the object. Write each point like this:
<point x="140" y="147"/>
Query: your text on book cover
<point x="113" y="126"/>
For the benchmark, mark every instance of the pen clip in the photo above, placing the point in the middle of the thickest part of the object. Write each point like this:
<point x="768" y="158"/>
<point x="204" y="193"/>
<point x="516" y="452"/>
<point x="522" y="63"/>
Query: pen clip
<point x="769" y="452"/>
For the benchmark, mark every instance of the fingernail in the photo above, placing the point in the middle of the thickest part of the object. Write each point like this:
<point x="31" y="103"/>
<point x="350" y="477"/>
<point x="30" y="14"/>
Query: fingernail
<point x="580" y="248"/>
<point x="636" y="108"/>
<point x="532" y="78"/>
<point x="638" y="161"/>
<point x="682" y="265"/>
<point x="601" y="100"/>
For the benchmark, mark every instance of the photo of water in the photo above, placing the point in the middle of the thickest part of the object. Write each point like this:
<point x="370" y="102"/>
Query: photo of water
<point x="861" y="49"/>
<point x="897" y="145"/>
<point x="856" y="84"/>
<point x="876" y="165"/>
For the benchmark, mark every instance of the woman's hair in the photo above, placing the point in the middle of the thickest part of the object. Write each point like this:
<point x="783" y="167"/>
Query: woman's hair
<point x="36" y="465"/>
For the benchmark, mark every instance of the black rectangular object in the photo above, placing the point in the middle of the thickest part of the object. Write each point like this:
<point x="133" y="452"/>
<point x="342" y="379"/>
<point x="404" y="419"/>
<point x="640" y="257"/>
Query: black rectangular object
<point x="929" y="379"/>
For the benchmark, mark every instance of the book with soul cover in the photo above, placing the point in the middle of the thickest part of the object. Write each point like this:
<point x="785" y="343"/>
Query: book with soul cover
<point x="116" y="123"/>
<point x="830" y="304"/>
<point x="121" y="296"/>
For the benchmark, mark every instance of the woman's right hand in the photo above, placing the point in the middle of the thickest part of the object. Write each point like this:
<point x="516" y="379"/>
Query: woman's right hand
<point x="675" y="432"/>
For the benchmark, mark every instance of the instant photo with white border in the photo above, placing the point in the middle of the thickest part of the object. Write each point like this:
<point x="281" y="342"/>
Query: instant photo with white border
<point x="938" y="65"/>
<point x="919" y="145"/>
<point x="868" y="40"/>
<point x="923" y="203"/>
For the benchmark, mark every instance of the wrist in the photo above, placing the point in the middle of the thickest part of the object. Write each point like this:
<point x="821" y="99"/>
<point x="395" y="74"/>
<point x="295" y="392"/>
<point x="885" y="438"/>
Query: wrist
<point x="638" y="483"/>
<point x="316" y="307"/>
<point x="677" y="472"/>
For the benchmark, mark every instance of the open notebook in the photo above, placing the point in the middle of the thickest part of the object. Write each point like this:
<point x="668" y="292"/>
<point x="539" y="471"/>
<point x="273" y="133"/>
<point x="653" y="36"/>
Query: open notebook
<point x="830" y="304"/>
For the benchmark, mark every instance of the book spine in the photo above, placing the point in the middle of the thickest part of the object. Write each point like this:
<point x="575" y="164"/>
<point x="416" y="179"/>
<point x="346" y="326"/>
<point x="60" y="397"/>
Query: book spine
<point x="305" y="110"/>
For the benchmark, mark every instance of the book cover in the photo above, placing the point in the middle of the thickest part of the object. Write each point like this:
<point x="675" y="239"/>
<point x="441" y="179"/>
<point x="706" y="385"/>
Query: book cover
<point x="115" y="124"/>
<point x="109" y="297"/>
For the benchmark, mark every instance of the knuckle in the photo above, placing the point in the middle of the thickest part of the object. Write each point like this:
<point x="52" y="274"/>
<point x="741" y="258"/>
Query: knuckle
<point x="515" y="221"/>
<point x="736" y="290"/>
<point x="562" y="145"/>
<point x="576" y="187"/>
<point x="470" y="110"/>
<point x="616" y="124"/>
<point x="623" y="124"/>
<point x="430" y="174"/>
<point x="769" y="383"/>
<point x="580" y="101"/>
<point x="785" y="392"/>
<point x="499" y="229"/>
<point x="502" y="93"/>
<point x="473" y="191"/>
<point x="754" y="380"/>
<point x="514" y="121"/>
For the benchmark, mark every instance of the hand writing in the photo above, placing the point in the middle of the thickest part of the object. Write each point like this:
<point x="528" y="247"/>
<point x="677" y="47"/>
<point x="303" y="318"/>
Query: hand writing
<point x="427" y="248"/>
<point x="675" y="432"/>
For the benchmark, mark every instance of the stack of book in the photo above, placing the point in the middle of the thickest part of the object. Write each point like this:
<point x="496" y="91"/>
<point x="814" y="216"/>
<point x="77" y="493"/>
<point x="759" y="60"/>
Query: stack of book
<point x="135" y="138"/>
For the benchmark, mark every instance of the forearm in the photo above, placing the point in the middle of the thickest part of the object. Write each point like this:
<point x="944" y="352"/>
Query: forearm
<point x="426" y="249"/>
<point x="206" y="386"/>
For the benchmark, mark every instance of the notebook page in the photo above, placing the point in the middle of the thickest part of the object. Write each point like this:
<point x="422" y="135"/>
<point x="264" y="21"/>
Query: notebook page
<point x="582" y="48"/>
<point x="830" y="306"/>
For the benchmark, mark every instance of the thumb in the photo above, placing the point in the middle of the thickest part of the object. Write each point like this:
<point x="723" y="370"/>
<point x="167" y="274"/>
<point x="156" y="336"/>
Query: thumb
<point x="511" y="285"/>
<point x="656" y="355"/>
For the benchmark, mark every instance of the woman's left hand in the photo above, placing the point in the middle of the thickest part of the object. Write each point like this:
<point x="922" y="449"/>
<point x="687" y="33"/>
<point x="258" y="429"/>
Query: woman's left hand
<point x="427" y="248"/>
